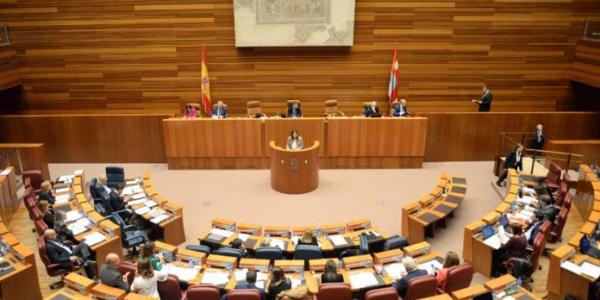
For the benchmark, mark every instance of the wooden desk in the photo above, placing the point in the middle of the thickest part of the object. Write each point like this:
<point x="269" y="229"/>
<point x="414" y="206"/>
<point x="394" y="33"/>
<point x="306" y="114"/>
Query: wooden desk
<point x="310" y="129"/>
<point x="562" y="282"/>
<point x="103" y="291"/>
<point x="69" y="293"/>
<point x="9" y="201"/>
<point x="294" y="171"/>
<point x="134" y="296"/>
<point x="33" y="156"/>
<point x="470" y="292"/>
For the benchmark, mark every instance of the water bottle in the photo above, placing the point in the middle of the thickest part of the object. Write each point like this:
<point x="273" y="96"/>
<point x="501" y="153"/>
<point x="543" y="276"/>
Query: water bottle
<point x="302" y="278"/>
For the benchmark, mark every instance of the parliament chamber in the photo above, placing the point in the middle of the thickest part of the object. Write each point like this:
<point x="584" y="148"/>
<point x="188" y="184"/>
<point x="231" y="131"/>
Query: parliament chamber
<point x="300" y="149"/>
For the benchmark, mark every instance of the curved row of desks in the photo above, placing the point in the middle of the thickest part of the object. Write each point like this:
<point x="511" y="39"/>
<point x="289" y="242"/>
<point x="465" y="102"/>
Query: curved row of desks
<point x="420" y="218"/>
<point x="565" y="274"/>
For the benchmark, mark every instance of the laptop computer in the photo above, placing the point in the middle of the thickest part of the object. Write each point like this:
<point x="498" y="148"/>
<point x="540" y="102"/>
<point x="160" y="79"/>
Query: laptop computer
<point x="488" y="231"/>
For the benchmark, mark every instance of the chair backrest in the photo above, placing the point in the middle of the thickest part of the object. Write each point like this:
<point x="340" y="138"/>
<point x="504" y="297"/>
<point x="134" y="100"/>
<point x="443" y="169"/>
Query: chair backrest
<point x="199" y="248"/>
<point x="202" y="292"/>
<point x="125" y="267"/>
<point x="290" y="102"/>
<point x="567" y="201"/>
<point x="308" y="252"/>
<point x="253" y="108"/>
<point x="388" y="293"/>
<point x="169" y="289"/>
<point x="246" y="294"/>
<point x="41" y="242"/>
<point x="35" y="178"/>
<point x="459" y="277"/>
<point x="92" y="187"/>
<point x="538" y="247"/>
<point x="421" y="287"/>
<point x="559" y="225"/>
<point x="554" y="174"/>
<point x="269" y="253"/>
<point x="115" y="175"/>
<point x="546" y="226"/>
<point x="226" y="251"/>
<point x="40" y="226"/>
<point x="334" y="291"/>
<point x="395" y="242"/>
<point x="331" y="107"/>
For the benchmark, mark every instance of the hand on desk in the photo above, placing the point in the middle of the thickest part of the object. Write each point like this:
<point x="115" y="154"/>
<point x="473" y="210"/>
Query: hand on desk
<point x="125" y="276"/>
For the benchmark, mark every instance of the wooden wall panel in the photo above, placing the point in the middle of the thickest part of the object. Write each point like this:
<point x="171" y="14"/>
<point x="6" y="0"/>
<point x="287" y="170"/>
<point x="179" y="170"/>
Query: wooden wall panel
<point x="33" y="157"/>
<point x="476" y="136"/>
<point x="9" y="67"/>
<point x="128" y="55"/>
<point x="586" y="68"/>
<point x="90" y="138"/>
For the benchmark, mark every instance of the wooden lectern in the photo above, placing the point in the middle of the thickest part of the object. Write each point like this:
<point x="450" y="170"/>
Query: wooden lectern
<point x="294" y="171"/>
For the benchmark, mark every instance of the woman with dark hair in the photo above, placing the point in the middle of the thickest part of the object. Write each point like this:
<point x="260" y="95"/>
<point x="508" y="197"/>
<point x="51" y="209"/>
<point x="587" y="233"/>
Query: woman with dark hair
<point x="190" y="112"/>
<point x="146" y="280"/>
<point x="294" y="141"/>
<point x="147" y="253"/>
<point x="330" y="273"/>
<point x="450" y="261"/>
<point x="278" y="283"/>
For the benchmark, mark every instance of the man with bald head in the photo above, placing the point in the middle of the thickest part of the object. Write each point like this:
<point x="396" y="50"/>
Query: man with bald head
<point x="68" y="256"/>
<point x="110" y="274"/>
<point x="102" y="189"/>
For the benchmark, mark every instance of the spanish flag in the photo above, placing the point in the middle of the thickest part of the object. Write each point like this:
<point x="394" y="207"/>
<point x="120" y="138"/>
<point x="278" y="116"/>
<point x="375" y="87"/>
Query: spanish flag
<point x="206" y="102"/>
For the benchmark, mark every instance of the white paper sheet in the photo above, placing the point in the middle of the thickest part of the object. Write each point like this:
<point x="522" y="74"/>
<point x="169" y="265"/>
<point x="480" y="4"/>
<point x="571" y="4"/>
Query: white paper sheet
<point x="138" y="196"/>
<point x="296" y="282"/>
<point x="130" y="190"/>
<point x="159" y="219"/>
<point x="136" y="202"/>
<point x="132" y="182"/>
<point x="395" y="270"/>
<point x="295" y="240"/>
<point x="73" y="215"/>
<point x="66" y="178"/>
<point x="78" y="229"/>
<point x="94" y="238"/>
<point x="185" y="274"/>
<point x="221" y="232"/>
<point x="243" y="237"/>
<point x="277" y="243"/>
<point x="590" y="270"/>
<point x="362" y="280"/>
<point x="431" y="266"/>
<point x="62" y="190"/>
<point x="570" y="266"/>
<point x="493" y="241"/>
<point x="150" y="203"/>
<point x="216" y="278"/>
<point x="142" y="210"/>
<point x="155" y="213"/>
<point x="60" y="199"/>
<point x="338" y="240"/>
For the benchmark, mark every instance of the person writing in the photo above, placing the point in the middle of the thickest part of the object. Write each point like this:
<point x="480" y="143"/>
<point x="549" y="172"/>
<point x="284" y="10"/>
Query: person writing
<point x="190" y="112"/>
<point x="450" y="261"/>
<point x="514" y="160"/>
<point x="220" y="111"/>
<point x="485" y="103"/>
<point x="294" y="141"/>
<point x="372" y="111"/>
<point x="294" y="110"/>
<point x="400" y="109"/>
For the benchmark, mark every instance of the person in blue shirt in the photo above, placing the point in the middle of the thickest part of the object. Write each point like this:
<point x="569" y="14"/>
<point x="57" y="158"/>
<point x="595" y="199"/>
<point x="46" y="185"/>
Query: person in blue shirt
<point x="220" y="110"/>
<point x="399" y="109"/>
<point x="249" y="284"/>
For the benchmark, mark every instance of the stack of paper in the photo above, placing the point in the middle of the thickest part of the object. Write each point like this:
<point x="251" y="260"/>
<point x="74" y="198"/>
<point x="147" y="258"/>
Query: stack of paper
<point x="73" y="215"/>
<point x="150" y="203"/>
<point x="493" y="241"/>
<point x="64" y="198"/>
<point x="159" y="219"/>
<point x="362" y="280"/>
<point x="136" y="202"/>
<point x="431" y="266"/>
<point x="296" y="282"/>
<point x="138" y="196"/>
<point x="568" y="265"/>
<point x="62" y="190"/>
<point x="79" y="225"/>
<point x="338" y="240"/>
<point x="277" y="243"/>
<point x="221" y="232"/>
<point x="155" y="213"/>
<point x="395" y="270"/>
<point x="184" y="274"/>
<point x="590" y="270"/>
<point x="216" y="278"/>
<point x="130" y="190"/>
<point x="132" y="182"/>
<point x="94" y="238"/>
<point x="142" y="210"/>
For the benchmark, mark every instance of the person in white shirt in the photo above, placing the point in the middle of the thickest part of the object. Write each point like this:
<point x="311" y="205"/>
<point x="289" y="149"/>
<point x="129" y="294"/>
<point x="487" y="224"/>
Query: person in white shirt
<point x="146" y="280"/>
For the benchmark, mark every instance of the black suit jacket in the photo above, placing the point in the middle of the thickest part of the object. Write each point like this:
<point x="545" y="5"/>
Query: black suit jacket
<point x="56" y="254"/>
<point x="223" y="112"/>
<point x="49" y="219"/>
<point x="535" y="144"/>
<point x="48" y="196"/>
<point x="370" y="113"/>
<point x="290" y="112"/>
<point x="511" y="161"/>
<point x="534" y="231"/>
<point x="115" y="202"/>
<point x="486" y="102"/>
<point x="402" y="284"/>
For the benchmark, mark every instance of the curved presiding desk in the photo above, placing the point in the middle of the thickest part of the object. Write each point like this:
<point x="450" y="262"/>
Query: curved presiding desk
<point x="294" y="171"/>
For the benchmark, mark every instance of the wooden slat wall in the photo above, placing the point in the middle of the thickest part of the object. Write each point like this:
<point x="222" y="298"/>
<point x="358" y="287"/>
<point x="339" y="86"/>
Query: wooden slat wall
<point x="9" y="67"/>
<point x="586" y="68"/>
<point x="131" y="54"/>
<point x="90" y="138"/>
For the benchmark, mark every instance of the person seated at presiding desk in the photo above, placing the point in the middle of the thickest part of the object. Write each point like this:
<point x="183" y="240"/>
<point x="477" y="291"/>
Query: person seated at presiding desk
<point x="450" y="261"/>
<point x="372" y="111"/>
<point x="294" y="110"/>
<point x="47" y="214"/>
<point x="515" y="247"/>
<point x="330" y="273"/>
<point x="412" y="271"/>
<point x="60" y="253"/>
<point x="538" y="138"/>
<point x="308" y="238"/>
<point x="146" y="280"/>
<point x="220" y="111"/>
<point x="110" y="274"/>
<point x="294" y="141"/>
<point x="513" y="160"/>
<point x="485" y="103"/>
<point x="399" y="109"/>
<point x="278" y="283"/>
<point x="249" y="284"/>
<point x="190" y="112"/>
<point x="45" y="192"/>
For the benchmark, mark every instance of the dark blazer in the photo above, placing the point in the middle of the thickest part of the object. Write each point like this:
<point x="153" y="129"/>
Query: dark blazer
<point x="63" y="233"/>
<point x="111" y="276"/>
<point x="115" y="202"/>
<point x="49" y="219"/>
<point x="331" y="277"/>
<point x="370" y="113"/>
<point x="100" y="191"/>
<point x="248" y="286"/>
<point x="400" y="111"/>
<point x="535" y="144"/>
<point x="486" y="102"/>
<point x="402" y="284"/>
<point x="58" y="255"/>
<point x="515" y="247"/>
<point x="534" y="231"/>
<point x="48" y="196"/>
<point x="550" y="212"/>
<point x="511" y="161"/>
<point x="291" y="112"/>
<point x="222" y="112"/>
<point x="274" y="290"/>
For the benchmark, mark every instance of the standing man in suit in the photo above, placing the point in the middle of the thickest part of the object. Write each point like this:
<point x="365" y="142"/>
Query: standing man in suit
<point x="294" y="111"/>
<point x="538" y="137"/>
<point x="110" y="274"/>
<point x="249" y="284"/>
<point x="372" y="111"/>
<point x="411" y="272"/>
<point x="60" y="253"/>
<point x="514" y="160"/>
<point x="400" y="109"/>
<point x="485" y="103"/>
<point x="220" y="111"/>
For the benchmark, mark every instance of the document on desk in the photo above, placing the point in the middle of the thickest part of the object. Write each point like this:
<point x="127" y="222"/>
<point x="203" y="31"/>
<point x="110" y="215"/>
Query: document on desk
<point x="590" y="270"/>
<point x="83" y="222"/>
<point x="132" y="182"/>
<point x="184" y="274"/>
<point x="130" y="190"/>
<point x="431" y="266"/>
<point x="150" y="203"/>
<point x="221" y="232"/>
<point x="362" y="280"/>
<point x="64" y="198"/>
<point x="160" y="218"/>
<point x="243" y="237"/>
<point x="216" y="278"/>
<point x="62" y="190"/>
<point x="155" y="213"/>
<point x="142" y="210"/>
<point x="338" y="240"/>
<point x="494" y="242"/>
<point x="138" y="196"/>
<point x="295" y="282"/>
<point x="136" y="202"/>
<point x="94" y="238"/>
<point x="395" y="270"/>
<point x="570" y="266"/>
<point x="73" y="215"/>
<point x="66" y="178"/>
<point x="278" y="243"/>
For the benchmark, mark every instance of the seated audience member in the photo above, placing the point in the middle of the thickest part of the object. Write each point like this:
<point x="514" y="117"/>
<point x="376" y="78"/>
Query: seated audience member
<point x="372" y="111"/>
<point x="190" y="112"/>
<point x="101" y="188"/>
<point x="110" y="274"/>
<point x="147" y="253"/>
<point x="278" y="283"/>
<point x="307" y="238"/>
<point x="548" y="209"/>
<point x="516" y="246"/>
<point x="450" y="261"/>
<point x="45" y="192"/>
<point x="117" y="200"/>
<point x="294" y="110"/>
<point x="220" y="111"/>
<point x="47" y="214"/>
<point x="60" y="253"/>
<point x="538" y="137"/>
<point x="330" y="273"/>
<point x="400" y="109"/>
<point x="146" y="280"/>
<point x="411" y="272"/>
<point x="63" y="233"/>
<point x="294" y="141"/>
<point x="249" y="284"/>
<point x="239" y="244"/>
<point x="534" y="228"/>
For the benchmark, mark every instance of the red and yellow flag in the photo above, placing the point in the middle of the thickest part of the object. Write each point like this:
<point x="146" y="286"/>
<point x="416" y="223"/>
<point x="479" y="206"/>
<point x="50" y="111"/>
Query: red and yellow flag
<point x="206" y="102"/>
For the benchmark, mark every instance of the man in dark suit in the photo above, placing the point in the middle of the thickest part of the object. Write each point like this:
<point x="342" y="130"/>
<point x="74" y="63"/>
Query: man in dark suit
<point x="531" y="233"/>
<point x="400" y="109"/>
<point x="372" y="111"/>
<point x="220" y="111"/>
<point x="60" y="253"/>
<point x="101" y="187"/>
<point x="513" y="160"/>
<point x="485" y="103"/>
<point x="110" y="274"/>
<point x="249" y="284"/>
<point x="538" y="138"/>
<point x="548" y="210"/>
<point x="294" y="111"/>
<point x="118" y="201"/>
<point x="411" y="272"/>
